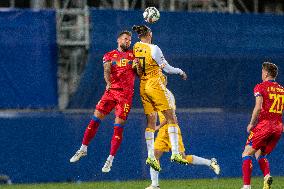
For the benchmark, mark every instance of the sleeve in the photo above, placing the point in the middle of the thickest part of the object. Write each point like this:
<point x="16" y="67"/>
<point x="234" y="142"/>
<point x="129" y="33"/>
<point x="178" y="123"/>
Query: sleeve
<point x="257" y="90"/>
<point x="158" y="56"/>
<point x="106" y="58"/>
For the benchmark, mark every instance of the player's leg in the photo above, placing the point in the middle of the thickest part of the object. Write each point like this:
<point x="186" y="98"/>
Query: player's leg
<point x="149" y="137"/>
<point x="116" y="140"/>
<point x="92" y="127"/>
<point x="173" y="135"/>
<point x="265" y="168"/>
<point x="196" y="160"/>
<point x="122" y="109"/>
<point x="150" y="93"/>
<point x="271" y="141"/>
<point x="104" y="107"/>
<point x="161" y="145"/>
<point x="255" y="141"/>
<point x="155" y="174"/>
<point x="247" y="165"/>
<point x="263" y="162"/>
<point x="89" y="134"/>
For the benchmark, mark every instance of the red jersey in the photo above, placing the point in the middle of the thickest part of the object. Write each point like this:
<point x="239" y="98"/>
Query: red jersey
<point x="273" y="101"/>
<point x="122" y="75"/>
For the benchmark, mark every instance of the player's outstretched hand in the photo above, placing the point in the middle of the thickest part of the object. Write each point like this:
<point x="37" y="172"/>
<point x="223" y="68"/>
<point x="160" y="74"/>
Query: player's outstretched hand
<point x="249" y="127"/>
<point x="184" y="76"/>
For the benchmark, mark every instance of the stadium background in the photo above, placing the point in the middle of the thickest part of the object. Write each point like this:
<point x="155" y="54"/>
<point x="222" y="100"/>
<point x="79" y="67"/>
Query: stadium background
<point x="221" y="52"/>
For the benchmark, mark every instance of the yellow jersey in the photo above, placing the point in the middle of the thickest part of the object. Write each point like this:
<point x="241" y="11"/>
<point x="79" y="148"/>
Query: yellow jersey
<point x="144" y="52"/>
<point x="153" y="93"/>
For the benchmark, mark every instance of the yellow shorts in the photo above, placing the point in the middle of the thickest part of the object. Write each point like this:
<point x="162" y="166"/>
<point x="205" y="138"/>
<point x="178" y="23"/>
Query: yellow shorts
<point x="162" y="141"/>
<point x="154" y="95"/>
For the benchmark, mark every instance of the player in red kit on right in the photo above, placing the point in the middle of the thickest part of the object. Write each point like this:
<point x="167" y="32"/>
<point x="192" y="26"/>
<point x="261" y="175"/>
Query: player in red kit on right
<point x="119" y="74"/>
<point x="265" y="126"/>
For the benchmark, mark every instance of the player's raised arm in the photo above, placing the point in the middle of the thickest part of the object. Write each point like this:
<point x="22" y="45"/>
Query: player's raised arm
<point x="158" y="56"/>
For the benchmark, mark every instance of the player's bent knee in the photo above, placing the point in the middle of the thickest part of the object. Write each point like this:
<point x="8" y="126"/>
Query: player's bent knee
<point x="99" y="114"/>
<point x="120" y="121"/>
<point x="248" y="151"/>
<point x="151" y="120"/>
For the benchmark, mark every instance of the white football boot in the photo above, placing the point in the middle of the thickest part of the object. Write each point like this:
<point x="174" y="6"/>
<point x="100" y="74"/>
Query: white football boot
<point x="153" y="187"/>
<point x="247" y="187"/>
<point x="215" y="166"/>
<point x="107" y="166"/>
<point x="78" y="155"/>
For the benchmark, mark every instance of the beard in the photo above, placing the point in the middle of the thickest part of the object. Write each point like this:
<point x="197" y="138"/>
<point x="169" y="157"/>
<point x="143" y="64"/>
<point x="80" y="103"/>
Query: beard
<point x="124" y="47"/>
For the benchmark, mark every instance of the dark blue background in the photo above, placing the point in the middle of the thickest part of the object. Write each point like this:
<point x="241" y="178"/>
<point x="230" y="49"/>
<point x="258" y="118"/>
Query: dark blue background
<point x="28" y="59"/>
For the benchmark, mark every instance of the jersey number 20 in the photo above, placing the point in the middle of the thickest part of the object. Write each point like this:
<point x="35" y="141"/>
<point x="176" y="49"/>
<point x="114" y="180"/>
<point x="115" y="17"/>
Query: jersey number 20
<point x="278" y="103"/>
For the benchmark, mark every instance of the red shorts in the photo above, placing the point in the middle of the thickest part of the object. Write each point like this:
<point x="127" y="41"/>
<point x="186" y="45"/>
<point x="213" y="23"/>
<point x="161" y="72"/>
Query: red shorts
<point x="265" y="135"/>
<point x="118" y="99"/>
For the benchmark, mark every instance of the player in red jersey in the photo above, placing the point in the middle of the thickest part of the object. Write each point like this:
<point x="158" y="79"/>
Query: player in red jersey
<point x="119" y="75"/>
<point x="265" y="126"/>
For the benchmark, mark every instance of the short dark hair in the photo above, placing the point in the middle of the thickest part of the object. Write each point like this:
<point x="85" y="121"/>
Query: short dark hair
<point x="271" y="68"/>
<point x="124" y="32"/>
<point x="142" y="30"/>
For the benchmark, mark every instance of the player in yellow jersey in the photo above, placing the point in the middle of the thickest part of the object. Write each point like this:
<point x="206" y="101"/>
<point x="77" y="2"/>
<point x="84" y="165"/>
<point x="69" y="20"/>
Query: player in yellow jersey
<point x="154" y="96"/>
<point x="162" y="144"/>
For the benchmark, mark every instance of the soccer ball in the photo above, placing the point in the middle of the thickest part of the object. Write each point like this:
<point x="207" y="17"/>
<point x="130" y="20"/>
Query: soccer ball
<point x="151" y="15"/>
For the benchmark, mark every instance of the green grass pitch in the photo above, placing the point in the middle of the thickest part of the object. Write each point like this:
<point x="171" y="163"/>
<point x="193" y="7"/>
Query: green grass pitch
<point x="224" y="183"/>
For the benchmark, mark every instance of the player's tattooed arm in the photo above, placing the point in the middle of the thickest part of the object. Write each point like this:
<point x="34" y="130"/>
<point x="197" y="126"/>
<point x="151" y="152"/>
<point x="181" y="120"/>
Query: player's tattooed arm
<point x="107" y="69"/>
<point x="255" y="113"/>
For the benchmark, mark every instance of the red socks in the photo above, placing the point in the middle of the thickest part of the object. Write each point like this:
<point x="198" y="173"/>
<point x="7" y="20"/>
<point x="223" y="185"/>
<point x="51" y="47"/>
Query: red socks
<point x="116" y="139"/>
<point x="264" y="165"/>
<point x="247" y="169"/>
<point x="91" y="130"/>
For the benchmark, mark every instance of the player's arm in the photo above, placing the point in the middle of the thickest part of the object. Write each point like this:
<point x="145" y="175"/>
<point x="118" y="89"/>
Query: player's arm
<point x="163" y="123"/>
<point x="255" y="113"/>
<point x="137" y="67"/>
<point x="157" y="127"/>
<point x="158" y="56"/>
<point x="107" y="69"/>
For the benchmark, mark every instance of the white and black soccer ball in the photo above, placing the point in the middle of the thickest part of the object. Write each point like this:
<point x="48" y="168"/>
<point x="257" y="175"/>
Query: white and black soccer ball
<point x="151" y="15"/>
